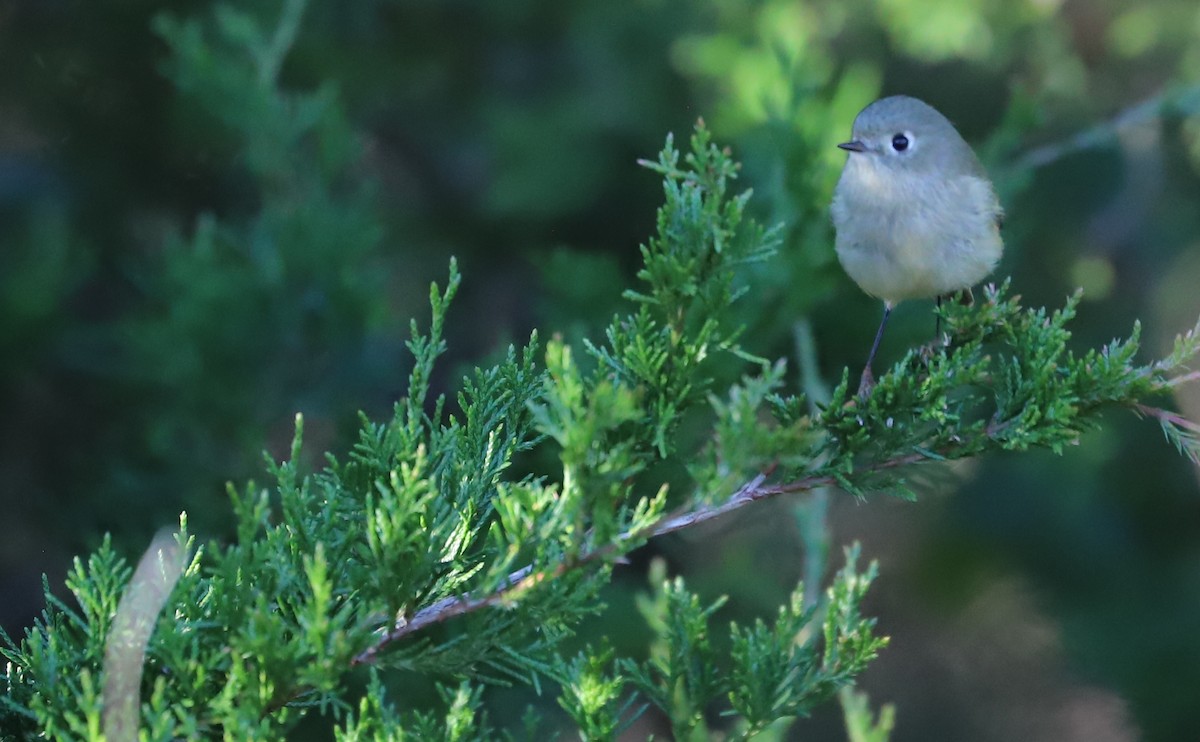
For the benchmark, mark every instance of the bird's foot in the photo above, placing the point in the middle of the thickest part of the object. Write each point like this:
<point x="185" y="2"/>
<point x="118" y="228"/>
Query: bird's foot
<point x="866" y="383"/>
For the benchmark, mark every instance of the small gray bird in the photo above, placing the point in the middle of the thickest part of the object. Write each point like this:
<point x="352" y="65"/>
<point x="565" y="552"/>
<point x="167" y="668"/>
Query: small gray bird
<point x="915" y="213"/>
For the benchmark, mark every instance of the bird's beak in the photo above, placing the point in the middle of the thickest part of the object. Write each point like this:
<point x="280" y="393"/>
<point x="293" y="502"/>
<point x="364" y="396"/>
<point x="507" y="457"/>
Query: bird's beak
<point x="855" y="146"/>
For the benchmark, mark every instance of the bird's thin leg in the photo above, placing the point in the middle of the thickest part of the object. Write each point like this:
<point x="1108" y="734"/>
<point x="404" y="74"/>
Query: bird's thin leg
<point x="868" y="379"/>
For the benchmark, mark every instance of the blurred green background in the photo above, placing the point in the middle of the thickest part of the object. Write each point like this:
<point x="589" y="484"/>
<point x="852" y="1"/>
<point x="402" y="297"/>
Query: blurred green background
<point x="191" y="253"/>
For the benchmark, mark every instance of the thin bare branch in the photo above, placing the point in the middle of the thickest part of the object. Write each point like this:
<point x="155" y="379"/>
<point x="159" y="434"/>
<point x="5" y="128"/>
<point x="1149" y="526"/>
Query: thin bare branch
<point x="752" y="491"/>
<point x="1146" y="111"/>
<point x="1176" y="381"/>
<point x="1166" y="416"/>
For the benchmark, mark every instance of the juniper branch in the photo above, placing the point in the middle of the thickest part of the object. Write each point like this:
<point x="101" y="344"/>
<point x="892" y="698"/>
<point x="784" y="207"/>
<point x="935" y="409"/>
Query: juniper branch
<point x="755" y="490"/>
<point x="999" y="432"/>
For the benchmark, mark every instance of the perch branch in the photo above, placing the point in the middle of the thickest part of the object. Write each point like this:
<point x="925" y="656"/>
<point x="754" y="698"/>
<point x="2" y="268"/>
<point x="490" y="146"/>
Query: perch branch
<point x="457" y="605"/>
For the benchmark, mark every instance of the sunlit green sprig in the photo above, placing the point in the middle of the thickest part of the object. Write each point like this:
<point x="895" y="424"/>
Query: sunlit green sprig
<point x="702" y="236"/>
<point x="862" y="725"/>
<point x="591" y="695"/>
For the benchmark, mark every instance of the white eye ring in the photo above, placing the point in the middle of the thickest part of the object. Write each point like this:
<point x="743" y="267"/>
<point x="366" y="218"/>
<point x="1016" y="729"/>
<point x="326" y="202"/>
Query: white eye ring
<point x="903" y="142"/>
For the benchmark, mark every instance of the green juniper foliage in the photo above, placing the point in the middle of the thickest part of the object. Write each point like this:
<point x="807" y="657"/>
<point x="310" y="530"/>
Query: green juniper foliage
<point x="861" y="724"/>
<point x="420" y="549"/>
<point x="354" y="565"/>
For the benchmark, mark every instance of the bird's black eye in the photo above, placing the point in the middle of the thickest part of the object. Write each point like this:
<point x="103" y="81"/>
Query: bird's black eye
<point x="899" y="142"/>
